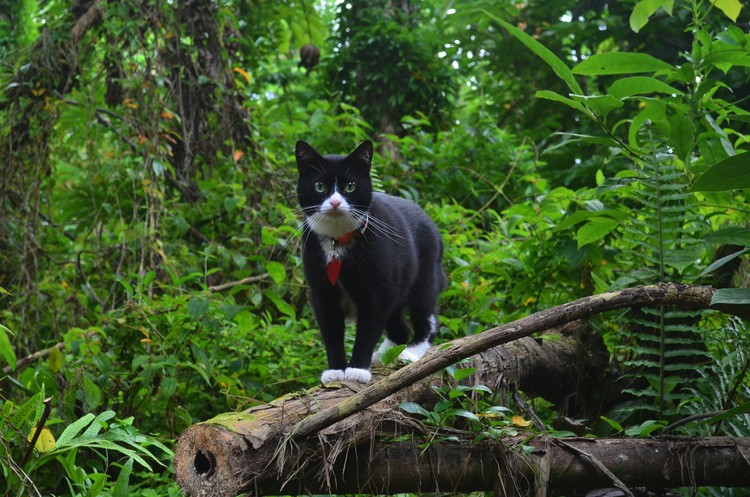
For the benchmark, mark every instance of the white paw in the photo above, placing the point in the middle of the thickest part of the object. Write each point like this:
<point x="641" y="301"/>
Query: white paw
<point x="357" y="374"/>
<point x="414" y="352"/>
<point x="331" y="375"/>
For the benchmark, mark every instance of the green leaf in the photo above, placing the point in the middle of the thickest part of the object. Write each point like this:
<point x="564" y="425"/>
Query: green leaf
<point x="731" y="8"/>
<point x="391" y="354"/>
<point x="463" y="373"/>
<point x="122" y="485"/>
<point x="6" y="349"/>
<point x="645" y="9"/>
<point x="600" y="104"/>
<point x="277" y="271"/>
<point x="595" y="229"/>
<point x="197" y="307"/>
<point x="611" y="422"/>
<point x="92" y="394"/>
<point x="620" y="63"/>
<point x="640" y="85"/>
<point x="465" y="414"/>
<point x="727" y="174"/>
<point x="681" y="132"/>
<point x="718" y="263"/>
<point x="414" y="408"/>
<point x="558" y="66"/>
<point x="731" y="235"/>
<point x="725" y="59"/>
<point x="730" y="413"/>
<point x="73" y="429"/>
<point x="550" y="95"/>
<point x="100" y="421"/>
<point x="281" y="305"/>
<point x="735" y="296"/>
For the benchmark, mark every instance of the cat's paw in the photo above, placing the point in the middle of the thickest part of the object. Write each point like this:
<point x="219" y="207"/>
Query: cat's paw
<point x="414" y="352"/>
<point x="357" y="374"/>
<point x="331" y="375"/>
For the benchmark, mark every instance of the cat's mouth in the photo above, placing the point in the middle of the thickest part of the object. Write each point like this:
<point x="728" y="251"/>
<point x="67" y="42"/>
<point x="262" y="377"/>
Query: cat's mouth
<point x="334" y="212"/>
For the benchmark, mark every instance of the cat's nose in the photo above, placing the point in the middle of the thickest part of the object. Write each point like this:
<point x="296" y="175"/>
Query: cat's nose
<point x="334" y="203"/>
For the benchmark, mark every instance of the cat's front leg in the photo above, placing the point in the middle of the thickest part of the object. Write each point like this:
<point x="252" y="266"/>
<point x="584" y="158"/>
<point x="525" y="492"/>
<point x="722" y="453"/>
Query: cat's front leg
<point x="369" y="329"/>
<point x="331" y="322"/>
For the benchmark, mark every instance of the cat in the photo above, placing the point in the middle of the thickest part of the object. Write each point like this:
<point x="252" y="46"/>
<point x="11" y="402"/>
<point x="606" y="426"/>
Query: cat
<point x="367" y="256"/>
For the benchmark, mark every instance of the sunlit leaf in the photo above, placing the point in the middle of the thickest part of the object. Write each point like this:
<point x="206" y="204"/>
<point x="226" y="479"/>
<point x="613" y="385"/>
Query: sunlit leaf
<point x="520" y="422"/>
<point x="45" y="441"/>
<point x="645" y="9"/>
<point x="731" y="8"/>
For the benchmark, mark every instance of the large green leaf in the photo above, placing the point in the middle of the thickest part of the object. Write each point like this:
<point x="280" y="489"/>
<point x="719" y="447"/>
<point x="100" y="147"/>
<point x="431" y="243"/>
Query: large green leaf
<point x="620" y="63"/>
<point x="681" y="131"/>
<point x="731" y="8"/>
<point x="736" y="296"/>
<point x="727" y="174"/>
<point x="640" y="85"/>
<point x="595" y="229"/>
<point x="558" y="66"/>
<point x="731" y="235"/>
<point x="719" y="263"/>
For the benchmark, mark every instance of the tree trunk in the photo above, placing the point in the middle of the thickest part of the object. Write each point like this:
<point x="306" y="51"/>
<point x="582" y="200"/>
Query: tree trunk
<point x="328" y="440"/>
<point x="570" y="465"/>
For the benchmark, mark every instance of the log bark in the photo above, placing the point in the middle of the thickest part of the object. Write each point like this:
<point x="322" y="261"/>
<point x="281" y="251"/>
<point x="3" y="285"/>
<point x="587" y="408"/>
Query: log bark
<point x="324" y="439"/>
<point x="452" y="467"/>
<point x="237" y="452"/>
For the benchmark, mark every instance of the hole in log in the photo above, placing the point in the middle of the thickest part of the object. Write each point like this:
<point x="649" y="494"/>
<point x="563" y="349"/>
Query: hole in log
<point x="205" y="464"/>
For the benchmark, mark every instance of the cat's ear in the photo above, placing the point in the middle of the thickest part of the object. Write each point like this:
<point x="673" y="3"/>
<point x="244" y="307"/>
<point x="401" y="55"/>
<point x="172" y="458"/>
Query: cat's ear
<point x="363" y="154"/>
<point x="306" y="155"/>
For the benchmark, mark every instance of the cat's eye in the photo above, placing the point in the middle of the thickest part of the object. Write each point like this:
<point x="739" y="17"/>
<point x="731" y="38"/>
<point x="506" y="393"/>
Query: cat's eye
<point x="320" y="187"/>
<point x="350" y="187"/>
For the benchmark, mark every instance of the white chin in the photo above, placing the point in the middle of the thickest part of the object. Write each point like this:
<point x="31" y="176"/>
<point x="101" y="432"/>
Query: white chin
<point x="331" y="225"/>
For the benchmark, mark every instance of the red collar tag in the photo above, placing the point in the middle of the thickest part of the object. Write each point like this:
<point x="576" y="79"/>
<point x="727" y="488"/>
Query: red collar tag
<point x="333" y="269"/>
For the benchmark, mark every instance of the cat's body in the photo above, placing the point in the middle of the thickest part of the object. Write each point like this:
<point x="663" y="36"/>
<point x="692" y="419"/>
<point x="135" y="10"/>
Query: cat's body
<point x="367" y="256"/>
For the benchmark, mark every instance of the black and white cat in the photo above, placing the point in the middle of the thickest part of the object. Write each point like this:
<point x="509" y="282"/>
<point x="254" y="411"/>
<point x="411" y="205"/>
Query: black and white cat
<point x="367" y="256"/>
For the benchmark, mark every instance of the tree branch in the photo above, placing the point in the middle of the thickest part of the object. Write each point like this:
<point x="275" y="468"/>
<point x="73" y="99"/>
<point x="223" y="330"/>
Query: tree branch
<point x="441" y="357"/>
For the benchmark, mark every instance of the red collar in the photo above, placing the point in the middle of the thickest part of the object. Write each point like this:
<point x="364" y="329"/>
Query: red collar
<point x="348" y="237"/>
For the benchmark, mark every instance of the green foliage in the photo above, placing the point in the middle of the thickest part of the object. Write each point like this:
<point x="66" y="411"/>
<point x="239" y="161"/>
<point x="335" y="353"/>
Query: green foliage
<point x="115" y="442"/>
<point x="149" y="232"/>
<point x="471" y="406"/>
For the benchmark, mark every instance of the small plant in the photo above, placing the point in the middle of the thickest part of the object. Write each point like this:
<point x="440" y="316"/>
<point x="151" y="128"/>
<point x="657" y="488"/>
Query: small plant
<point x="87" y="452"/>
<point x="466" y="406"/>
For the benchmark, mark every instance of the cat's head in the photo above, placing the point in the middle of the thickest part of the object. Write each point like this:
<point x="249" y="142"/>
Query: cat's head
<point x="334" y="191"/>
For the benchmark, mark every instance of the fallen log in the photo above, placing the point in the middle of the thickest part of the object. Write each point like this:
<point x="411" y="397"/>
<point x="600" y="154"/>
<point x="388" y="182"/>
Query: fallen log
<point x="303" y="442"/>
<point x="215" y="457"/>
